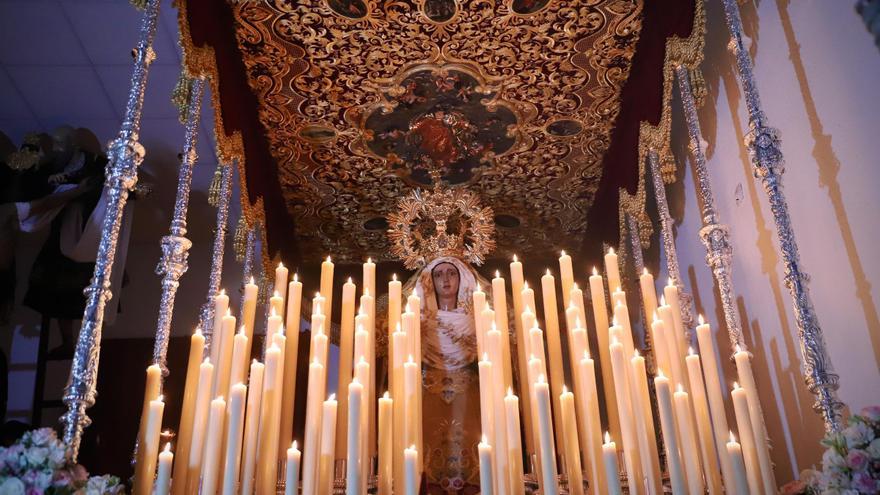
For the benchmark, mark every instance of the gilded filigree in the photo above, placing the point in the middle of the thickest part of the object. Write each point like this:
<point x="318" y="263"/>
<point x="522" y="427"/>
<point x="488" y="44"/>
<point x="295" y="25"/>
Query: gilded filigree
<point x="316" y="67"/>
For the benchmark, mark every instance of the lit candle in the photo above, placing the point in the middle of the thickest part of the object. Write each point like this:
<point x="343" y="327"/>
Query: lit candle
<point x="326" y="287"/>
<point x="346" y="358"/>
<point x="522" y="355"/>
<point x="395" y="296"/>
<point x="369" y="278"/>
<point x="399" y="412"/>
<point x="589" y="400"/>
<point x="545" y="432"/>
<point x="221" y="306"/>
<point x="486" y="482"/>
<point x="704" y="423"/>
<point x="487" y="402"/>
<point x="734" y="455"/>
<point x="670" y="440"/>
<point x="746" y="437"/>
<point x="248" y="311"/>
<point x="362" y="373"/>
<point x="411" y="457"/>
<point x="184" y="435"/>
<point x="577" y="347"/>
<point x="571" y="447"/>
<point x="368" y="302"/>
<point x="385" y="474"/>
<point x="618" y="297"/>
<point x="150" y="446"/>
<point x="612" y="473"/>
<point x="621" y="319"/>
<point x="554" y="348"/>
<point x="276" y="306"/>
<point x="649" y="292"/>
<point x="353" y="467"/>
<point x="528" y="321"/>
<point x="316" y="389"/>
<point x="479" y="304"/>
<point x="500" y="461"/>
<point x="661" y="351"/>
<point x="210" y="476"/>
<point x="252" y="427"/>
<point x="152" y="386"/>
<point x="281" y="273"/>
<point x="514" y="445"/>
<point x="528" y="298"/>
<point x="239" y="360"/>
<point x="291" y="354"/>
<point x="612" y="269"/>
<point x="410" y="370"/>
<point x="600" y="314"/>
<point x="234" y="430"/>
<point x="743" y="361"/>
<point x="200" y="421"/>
<point x="223" y="367"/>
<point x="671" y="295"/>
<point x="499" y="301"/>
<point x="689" y="449"/>
<point x="645" y="425"/>
<point x="163" y="477"/>
<point x="716" y="400"/>
<point x="627" y="415"/>
<point x="328" y="445"/>
<point x="671" y="336"/>
<point x="291" y="473"/>
<point x="566" y="277"/>
<point x="267" y="458"/>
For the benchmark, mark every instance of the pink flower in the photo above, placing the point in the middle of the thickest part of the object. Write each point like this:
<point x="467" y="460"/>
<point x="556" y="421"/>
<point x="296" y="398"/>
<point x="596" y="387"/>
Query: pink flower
<point x="864" y="483"/>
<point x="857" y="460"/>
<point x="871" y="413"/>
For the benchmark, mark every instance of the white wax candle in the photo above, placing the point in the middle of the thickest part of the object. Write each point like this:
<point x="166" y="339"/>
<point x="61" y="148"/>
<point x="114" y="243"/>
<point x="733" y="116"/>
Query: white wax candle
<point x="362" y="373"/>
<point x="600" y="315"/>
<point x="410" y="370"/>
<point x="328" y="445"/>
<point x="238" y="361"/>
<point x="670" y="293"/>
<point x="291" y="355"/>
<point x="353" y="463"/>
<point x="743" y="361"/>
<point x="612" y="472"/>
<point x="411" y="457"/>
<point x="570" y="439"/>
<point x="221" y="306"/>
<point x="291" y="472"/>
<point x="566" y="277"/>
<point x="627" y="416"/>
<point x="618" y="297"/>
<point x="514" y="445"/>
<point x="316" y="389"/>
<point x="554" y="348"/>
<point x="267" y="457"/>
<point x="399" y="412"/>
<point x="734" y="455"/>
<point x="294" y="305"/>
<point x="210" y="476"/>
<point x="395" y="296"/>
<point x="676" y="358"/>
<point x="590" y="422"/>
<point x="346" y="360"/>
<point x="276" y="312"/>
<point x="248" y="311"/>
<point x="612" y="269"/>
<point x="163" y="477"/>
<point x="486" y="469"/>
<point x="499" y="301"/>
<point x="522" y="355"/>
<point x="184" y="436"/>
<point x="223" y="367"/>
<point x="200" y="422"/>
<point x="661" y="351"/>
<point x="689" y="449"/>
<point x="479" y="304"/>
<point x="649" y="292"/>
<point x="716" y="400"/>
<point x="326" y="287"/>
<point x="645" y="424"/>
<point x="704" y="424"/>
<point x="252" y="427"/>
<point x="385" y="474"/>
<point x="670" y="440"/>
<point x="150" y="447"/>
<point x="234" y="430"/>
<point x="369" y="277"/>
<point x="747" y="439"/>
<point x="500" y="462"/>
<point x="281" y="273"/>
<point x="545" y="432"/>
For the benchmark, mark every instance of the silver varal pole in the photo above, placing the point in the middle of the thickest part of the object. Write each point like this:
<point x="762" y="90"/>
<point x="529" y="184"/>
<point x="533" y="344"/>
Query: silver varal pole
<point x="715" y="235"/>
<point x="763" y="143"/>
<point x="206" y="318"/>
<point x="125" y="155"/>
<point x="175" y="245"/>
<point x="668" y="238"/>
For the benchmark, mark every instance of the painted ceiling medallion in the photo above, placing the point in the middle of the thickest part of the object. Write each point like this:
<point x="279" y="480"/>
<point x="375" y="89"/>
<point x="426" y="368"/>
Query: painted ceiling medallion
<point x="439" y="119"/>
<point x="361" y="99"/>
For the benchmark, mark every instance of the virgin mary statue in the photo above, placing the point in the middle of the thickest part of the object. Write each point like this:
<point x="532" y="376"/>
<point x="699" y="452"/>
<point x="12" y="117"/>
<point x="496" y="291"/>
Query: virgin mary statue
<point x="445" y="284"/>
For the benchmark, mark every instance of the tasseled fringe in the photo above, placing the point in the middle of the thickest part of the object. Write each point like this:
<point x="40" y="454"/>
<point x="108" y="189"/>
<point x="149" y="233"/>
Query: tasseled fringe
<point x="214" y="188"/>
<point x="180" y="95"/>
<point x="239" y="240"/>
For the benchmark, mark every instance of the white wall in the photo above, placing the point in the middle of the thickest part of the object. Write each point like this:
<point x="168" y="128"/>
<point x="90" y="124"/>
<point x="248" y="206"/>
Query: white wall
<point x="818" y="73"/>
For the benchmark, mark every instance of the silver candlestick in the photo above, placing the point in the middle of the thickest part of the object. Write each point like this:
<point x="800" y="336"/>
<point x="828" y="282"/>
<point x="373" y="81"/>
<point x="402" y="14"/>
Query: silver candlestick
<point x="175" y="245"/>
<point x="206" y="317"/>
<point x="763" y="143"/>
<point x="125" y="156"/>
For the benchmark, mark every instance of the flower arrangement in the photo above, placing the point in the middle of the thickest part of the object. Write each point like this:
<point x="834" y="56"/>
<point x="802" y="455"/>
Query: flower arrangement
<point x="39" y="464"/>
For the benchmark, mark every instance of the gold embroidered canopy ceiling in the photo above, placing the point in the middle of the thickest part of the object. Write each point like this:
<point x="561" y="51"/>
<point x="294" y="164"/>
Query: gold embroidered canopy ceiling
<point x="359" y="101"/>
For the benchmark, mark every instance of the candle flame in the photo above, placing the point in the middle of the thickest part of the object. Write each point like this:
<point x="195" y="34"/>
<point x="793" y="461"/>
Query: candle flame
<point x="662" y="300"/>
<point x="222" y="292"/>
<point x="167" y="447"/>
<point x="738" y="348"/>
<point x="328" y="259"/>
<point x="273" y="313"/>
<point x="617" y="289"/>
<point x="587" y="354"/>
<point x="701" y="320"/>
<point x="510" y="391"/>
<point x="645" y="271"/>
<point x="296" y="277"/>
<point x="595" y="272"/>
<point x="636" y="353"/>
<point x="577" y="322"/>
<point x="276" y="294"/>
<point x="161" y="398"/>
<point x="280" y="264"/>
<point x="485" y="440"/>
<point x="680" y="388"/>
<point x="361" y="360"/>
<point x="607" y="437"/>
<point x="542" y="379"/>
<point x="514" y="258"/>
<point x="614" y="340"/>
<point x="614" y="321"/>
<point x="332" y="397"/>
<point x="527" y="310"/>
<point x="386" y="395"/>
<point x="562" y="253"/>
<point x="394" y="277"/>
<point x="410" y="360"/>
<point x="478" y="287"/>
<point x="735" y="386"/>
<point x="252" y="280"/>
<point x="242" y="330"/>
<point x="669" y="283"/>
<point x="564" y="389"/>
<point x="293" y="445"/>
<point x="197" y="331"/>
<point x="398" y="327"/>
<point x="525" y="286"/>
<point x="228" y="312"/>
<point x="366" y="292"/>
<point x="349" y="280"/>
<point x="494" y="327"/>
<point x="355" y="381"/>
<point x="369" y="260"/>
<point x="691" y="351"/>
<point x="485" y="356"/>
<point x="660" y="373"/>
<point x="611" y="250"/>
<point x="732" y="437"/>
<point x="548" y="273"/>
<point x="281" y="330"/>
<point x="656" y="318"/>
<point x="207" y="360"/>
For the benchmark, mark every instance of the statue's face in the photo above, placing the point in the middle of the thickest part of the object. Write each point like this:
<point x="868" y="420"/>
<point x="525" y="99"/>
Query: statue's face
<point x="446" y="279"/>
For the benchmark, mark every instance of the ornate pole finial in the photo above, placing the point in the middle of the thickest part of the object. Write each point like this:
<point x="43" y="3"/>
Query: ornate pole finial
<point x="125" y="156"/>
<point x="763" y="143"/>
<point x="206" y="317"/>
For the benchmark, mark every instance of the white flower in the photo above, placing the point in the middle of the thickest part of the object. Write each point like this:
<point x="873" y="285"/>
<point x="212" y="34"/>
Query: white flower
<point x="36" y="456"/>
<point x="858" y="435"/>
<point x="874" y="449"/>
<point x="12" y="486"/>
<point x="43" y="436"/>
<point x="831" y="460"/>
